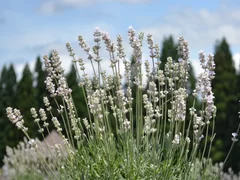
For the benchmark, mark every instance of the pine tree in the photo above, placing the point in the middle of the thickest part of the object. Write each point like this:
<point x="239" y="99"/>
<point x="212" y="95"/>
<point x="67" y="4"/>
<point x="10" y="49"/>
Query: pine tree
<point x="224" y="86"/>
<point x="234" y="159"/>
<point x="3" y="77"/>
<point x="26" y="100"/>
<point x="169" y="49"/>
<point x="40" y="85"/>
<point x="77" y="93"/>
<point x="3" y="122"/>
<point x="8" y="83"/>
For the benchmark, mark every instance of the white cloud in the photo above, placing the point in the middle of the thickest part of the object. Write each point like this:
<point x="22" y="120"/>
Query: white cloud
<point x="20" y="66"/>
<point x="236" y="59"/>
<point x="196" y="67"/>
<point x="55" y="6"/>
<point x="33" y="46"/>
<point x="200" y="27"/>
<point x="49" y="7"/>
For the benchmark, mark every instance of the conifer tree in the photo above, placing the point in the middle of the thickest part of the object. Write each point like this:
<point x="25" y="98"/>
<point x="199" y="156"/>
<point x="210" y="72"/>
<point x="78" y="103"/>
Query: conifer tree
<point x="169" y="49"/>
<point x="77" y="93"/>
<point x="234" y="159"/>
<point x="224" y="86"/>
<point x="3" y="121"/>
<point x="40" y="85"/>
<point x="26" y="100"/>
<point x="8" y="83"/>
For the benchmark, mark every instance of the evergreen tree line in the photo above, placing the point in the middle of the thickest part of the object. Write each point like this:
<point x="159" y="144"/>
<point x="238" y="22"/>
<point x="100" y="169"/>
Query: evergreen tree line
<point x="30" y="89"/>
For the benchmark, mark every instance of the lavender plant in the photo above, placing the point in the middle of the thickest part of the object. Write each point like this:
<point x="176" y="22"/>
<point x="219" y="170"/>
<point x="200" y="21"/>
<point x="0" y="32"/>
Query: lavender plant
<point x="145" y="136"/>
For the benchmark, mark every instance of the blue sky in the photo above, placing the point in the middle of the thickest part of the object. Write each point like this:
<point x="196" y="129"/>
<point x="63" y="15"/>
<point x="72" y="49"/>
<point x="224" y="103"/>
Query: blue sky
<point x="33" y="27"/>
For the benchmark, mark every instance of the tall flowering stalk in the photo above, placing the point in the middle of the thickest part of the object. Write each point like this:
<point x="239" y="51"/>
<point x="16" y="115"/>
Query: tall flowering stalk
<point x="144" y="136"/>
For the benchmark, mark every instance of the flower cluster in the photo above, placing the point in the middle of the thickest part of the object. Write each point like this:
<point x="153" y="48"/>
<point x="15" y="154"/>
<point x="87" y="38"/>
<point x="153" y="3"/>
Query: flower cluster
<point x="16" y="118"/>
<point x="25" y="159"/>
<point x="142" y="127"/>
<point x="203" y="86"/>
